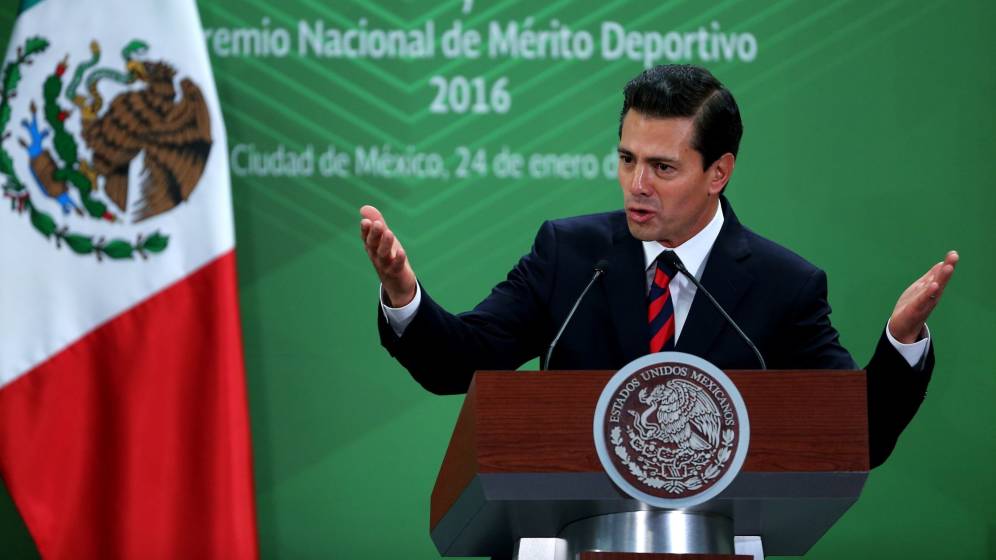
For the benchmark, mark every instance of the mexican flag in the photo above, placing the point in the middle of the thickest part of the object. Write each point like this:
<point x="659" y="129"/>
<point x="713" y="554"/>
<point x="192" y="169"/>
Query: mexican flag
<point x="124" y="431"/>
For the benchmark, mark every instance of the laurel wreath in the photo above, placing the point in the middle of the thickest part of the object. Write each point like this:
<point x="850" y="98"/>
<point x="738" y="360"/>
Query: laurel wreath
<point x="66" y="148"/>
<point x="672" y="486"/>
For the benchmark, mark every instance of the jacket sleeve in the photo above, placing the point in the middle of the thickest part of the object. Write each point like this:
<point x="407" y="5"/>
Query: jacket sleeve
<point x="508" y="328"/>
<point x="895" y="390"/>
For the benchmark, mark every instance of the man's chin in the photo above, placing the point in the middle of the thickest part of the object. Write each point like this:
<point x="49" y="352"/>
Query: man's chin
<point x="643" y="232"/>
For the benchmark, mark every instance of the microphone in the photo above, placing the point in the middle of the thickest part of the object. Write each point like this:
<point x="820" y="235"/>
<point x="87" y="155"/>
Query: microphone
<point x="672" y="258"/>
<point x="601" y="267"/>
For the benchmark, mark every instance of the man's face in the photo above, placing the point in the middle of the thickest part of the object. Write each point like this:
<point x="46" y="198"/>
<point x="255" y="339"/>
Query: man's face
<point x="667" y="195"/>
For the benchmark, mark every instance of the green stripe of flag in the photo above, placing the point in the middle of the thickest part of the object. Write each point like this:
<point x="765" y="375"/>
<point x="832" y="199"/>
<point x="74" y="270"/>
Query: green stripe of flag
<point x="26" y="5"/>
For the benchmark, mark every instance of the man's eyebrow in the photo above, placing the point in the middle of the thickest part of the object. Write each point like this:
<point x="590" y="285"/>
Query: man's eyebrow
<point x="652" y="159"/>
<point x="662" y="159"/>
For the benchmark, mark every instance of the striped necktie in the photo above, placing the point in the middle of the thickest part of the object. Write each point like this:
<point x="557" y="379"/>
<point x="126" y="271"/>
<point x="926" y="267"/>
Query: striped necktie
<point x="660" y="308"/>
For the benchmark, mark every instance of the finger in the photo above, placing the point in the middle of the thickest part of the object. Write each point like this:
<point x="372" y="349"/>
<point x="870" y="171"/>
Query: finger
<point x="943" y="270"/>
<point x="395" y="247"/>
<point x="926" y="301"/>
<point x="935" y="290"/>
<point x="371" y="213"/>
<point x="933" y="298"/>
<point x="385" y="248"/>
<point x="932" y="273"/>
<point x="951" y="258"/>
<point x="922" y="281"/>
<point x="376" y="232"/>
<point x="944" y="275"/>
<point x="398" y="264"/>
<point x="365" y="228"/>
<point x="941" y="273"/>
<point x="947" y="269"/>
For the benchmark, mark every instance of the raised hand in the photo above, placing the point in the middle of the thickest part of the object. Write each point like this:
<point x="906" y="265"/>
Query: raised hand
<point x="920" y="299"/>
<point x="388" y="258"/>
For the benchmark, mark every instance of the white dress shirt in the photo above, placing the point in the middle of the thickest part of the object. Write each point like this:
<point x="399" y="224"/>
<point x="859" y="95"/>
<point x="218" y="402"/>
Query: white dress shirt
<point x="694" y="253"/>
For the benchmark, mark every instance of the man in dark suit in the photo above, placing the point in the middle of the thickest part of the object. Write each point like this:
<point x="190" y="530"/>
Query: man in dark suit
<point x="680" y="131"/>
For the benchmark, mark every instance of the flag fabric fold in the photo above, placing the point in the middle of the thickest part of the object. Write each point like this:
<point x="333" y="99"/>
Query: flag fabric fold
<point x="124" y="430"/>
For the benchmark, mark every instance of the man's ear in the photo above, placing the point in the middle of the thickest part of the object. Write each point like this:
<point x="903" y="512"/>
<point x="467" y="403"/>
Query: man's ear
<point x="720" y="172"/>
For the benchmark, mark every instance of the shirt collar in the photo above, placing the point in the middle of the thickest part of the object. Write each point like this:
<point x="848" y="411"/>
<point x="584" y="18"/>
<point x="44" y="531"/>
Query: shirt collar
<point x="692" y="252"/>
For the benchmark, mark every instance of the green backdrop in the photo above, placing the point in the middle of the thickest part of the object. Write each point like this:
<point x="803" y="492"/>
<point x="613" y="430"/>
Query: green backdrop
<point x="868" y="148"/>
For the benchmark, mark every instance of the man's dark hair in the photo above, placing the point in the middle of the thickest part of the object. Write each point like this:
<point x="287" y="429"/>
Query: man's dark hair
<point x="683" y="90"/>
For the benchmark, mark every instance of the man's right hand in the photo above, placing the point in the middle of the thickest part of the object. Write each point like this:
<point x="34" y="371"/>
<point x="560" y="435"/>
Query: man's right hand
<point x="388" y="258"/>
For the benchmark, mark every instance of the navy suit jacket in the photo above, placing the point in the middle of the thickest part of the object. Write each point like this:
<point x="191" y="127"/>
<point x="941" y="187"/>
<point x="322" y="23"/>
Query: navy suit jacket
<point x="777" y="298"/>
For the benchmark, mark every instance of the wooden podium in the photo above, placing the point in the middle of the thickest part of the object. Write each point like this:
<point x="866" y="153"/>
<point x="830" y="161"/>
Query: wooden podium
<point x="522" y="461"/>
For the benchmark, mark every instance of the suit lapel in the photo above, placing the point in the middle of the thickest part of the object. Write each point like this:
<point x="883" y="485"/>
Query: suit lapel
<point x="625" y="289"/>
<point x="726" y="278"/>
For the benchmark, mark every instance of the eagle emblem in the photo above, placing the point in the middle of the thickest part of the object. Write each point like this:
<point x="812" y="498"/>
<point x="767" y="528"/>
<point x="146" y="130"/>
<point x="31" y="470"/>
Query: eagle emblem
<point x="680" y="415"/>
<point x="112" y="144"/>
<point x="671" y="429"/>
<point x="677" y="436"/>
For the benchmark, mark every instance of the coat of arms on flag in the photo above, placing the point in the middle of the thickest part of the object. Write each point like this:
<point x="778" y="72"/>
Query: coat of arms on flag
<point x="91" y="130"/>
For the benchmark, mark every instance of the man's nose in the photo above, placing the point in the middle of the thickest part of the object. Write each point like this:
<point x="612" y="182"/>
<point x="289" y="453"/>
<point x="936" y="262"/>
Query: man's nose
<point x="639" y="183"/>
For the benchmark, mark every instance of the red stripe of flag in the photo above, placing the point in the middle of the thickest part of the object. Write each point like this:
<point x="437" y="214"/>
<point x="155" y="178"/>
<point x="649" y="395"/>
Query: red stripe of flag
<point x="133" y="442"/>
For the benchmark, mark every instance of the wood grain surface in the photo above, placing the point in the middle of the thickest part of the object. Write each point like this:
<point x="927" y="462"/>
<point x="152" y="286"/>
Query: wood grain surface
<point x="542" y="422"/>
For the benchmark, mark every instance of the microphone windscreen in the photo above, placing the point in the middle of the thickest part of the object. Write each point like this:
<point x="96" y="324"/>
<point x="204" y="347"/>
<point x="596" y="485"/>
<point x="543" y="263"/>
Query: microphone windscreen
<point x="602" y="266"/>
<point x="673" y="258"/>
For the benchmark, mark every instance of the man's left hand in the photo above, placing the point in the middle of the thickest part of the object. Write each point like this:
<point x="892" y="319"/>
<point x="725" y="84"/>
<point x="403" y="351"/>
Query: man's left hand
<point x="920" y="299"/>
